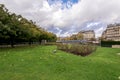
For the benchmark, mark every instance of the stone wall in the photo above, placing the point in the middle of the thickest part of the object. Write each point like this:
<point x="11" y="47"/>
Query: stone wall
<point x="115" y="46"/>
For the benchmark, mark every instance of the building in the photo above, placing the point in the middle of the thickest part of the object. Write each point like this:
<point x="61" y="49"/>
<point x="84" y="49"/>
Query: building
<point x="112" y="32"/>
<point x="81" y="36"/>
<point x="88" y="35"/>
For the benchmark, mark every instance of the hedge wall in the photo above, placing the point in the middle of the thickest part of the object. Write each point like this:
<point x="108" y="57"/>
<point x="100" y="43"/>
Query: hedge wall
<point x="109" y="43"/>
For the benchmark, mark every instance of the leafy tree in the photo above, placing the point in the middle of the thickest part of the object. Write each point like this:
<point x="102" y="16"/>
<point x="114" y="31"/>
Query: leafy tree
<point x="79" y="36"/>
<point x="14" y="29"/>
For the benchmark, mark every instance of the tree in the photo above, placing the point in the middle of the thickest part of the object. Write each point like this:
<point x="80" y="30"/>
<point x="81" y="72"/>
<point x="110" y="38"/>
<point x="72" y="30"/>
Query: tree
<point x="79" y="36"/>
<point x="73" y="37"/>
<point x="14" y="29"/>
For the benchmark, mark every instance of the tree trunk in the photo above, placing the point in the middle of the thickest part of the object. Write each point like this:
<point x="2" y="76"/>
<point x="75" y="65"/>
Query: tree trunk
<point x="40" y="42"/>
<point x="12" y="42"/>
<point x="30" y="42"/>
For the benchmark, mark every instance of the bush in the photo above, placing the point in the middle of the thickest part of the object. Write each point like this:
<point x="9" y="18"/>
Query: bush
<point x="64" y="47"/>
<point x="50" y="43"/>
<point x="77" y="49"/>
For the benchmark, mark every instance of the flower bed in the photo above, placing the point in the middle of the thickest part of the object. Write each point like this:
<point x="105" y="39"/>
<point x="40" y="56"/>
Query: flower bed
<point x="77" y="49"/>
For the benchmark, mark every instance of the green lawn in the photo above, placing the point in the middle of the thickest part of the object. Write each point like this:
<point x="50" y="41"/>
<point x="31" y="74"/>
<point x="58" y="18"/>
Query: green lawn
<point x="39" y="63"/>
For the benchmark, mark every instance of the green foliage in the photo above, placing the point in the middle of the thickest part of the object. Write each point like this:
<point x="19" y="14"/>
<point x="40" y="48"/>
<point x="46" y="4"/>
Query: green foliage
<point x="77" y="49"/>
<point x="109" y="43"/>
<point x="15" y="28"/>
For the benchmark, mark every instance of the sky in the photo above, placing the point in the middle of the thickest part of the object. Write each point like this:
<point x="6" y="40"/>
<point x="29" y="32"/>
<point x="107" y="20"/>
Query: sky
<point x="66" y="17"/>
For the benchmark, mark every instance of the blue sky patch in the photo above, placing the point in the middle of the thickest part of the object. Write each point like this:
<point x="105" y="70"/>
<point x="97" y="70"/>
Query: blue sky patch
<point x="65" y="3"/>
<point x="73" y="1"/>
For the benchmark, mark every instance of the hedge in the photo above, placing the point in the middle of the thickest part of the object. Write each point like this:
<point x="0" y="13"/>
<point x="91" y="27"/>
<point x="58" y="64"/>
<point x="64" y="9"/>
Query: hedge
<point x="109" y="43"/>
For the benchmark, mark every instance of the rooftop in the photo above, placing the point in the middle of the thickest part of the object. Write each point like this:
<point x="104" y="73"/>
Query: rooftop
<point x="86" y="31"/>
<point x="113" y="25"/>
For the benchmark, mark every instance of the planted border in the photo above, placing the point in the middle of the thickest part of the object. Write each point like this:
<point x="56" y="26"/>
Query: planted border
<point x="77" y="49"/>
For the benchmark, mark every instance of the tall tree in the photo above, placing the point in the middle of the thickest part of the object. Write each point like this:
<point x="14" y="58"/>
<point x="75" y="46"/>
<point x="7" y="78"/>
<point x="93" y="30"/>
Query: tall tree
<point x="15" y="28"/>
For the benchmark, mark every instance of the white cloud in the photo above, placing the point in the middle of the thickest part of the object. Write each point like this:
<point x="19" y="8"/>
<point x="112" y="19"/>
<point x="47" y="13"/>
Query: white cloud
<point x="99" y="31"/>
<point x="92" y="24"/>
<point x="52" y="14"/>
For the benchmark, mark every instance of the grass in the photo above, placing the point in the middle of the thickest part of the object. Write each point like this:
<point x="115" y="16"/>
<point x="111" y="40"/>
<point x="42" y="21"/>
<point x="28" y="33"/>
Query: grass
<point x="40" y="63"/>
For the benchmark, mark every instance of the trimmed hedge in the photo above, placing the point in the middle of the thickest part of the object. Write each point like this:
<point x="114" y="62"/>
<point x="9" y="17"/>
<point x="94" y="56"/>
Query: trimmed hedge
<point x="77" y="49"/>
<point x="109" y="43"/>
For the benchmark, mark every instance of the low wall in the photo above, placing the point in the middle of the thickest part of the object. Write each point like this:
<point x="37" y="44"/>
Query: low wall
<point x="115" y="46"/>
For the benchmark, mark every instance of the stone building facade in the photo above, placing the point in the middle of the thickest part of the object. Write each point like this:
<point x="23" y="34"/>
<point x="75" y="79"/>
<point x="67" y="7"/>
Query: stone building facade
<point x="112" y="32"/>
<point x="88" y="35"/>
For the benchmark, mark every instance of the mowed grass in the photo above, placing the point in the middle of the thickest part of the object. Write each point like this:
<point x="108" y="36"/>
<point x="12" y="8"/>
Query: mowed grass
<point x="40" y="63"/>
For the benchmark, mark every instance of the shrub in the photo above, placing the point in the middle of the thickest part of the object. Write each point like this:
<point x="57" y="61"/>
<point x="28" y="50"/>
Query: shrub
<point x="59" y="46"/>
<point x="77" y="49"/>
<point x="109" y="43"/>
<point x="50" y="43"/>
<point x="64" y="47"/>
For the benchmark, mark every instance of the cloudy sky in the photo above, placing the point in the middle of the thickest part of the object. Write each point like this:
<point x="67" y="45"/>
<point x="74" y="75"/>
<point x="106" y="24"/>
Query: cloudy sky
<point x="65" y="17"/>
